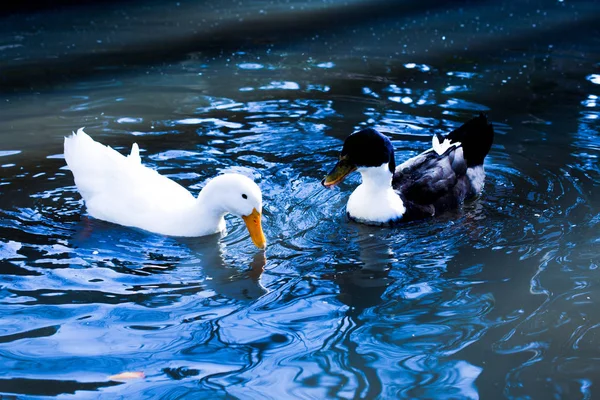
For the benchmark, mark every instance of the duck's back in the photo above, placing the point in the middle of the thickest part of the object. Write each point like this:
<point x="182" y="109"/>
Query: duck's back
<point x="432" y="183"/>
<point x="120" y="189"/>
<point x="446" y="175"/>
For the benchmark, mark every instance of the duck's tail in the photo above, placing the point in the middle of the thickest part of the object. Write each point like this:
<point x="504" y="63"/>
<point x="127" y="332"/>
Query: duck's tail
<point x="476" y="137"/>
<point x="94" y="165"/>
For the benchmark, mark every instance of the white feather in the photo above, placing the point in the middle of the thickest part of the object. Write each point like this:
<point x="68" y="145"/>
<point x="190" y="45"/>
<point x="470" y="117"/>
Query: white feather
<point x="477" y="177"/>
<point x="441" y="148"/>
<point x="135" y="154"/>
<point x="121" y="190"/>
<point x="374" y="201"/>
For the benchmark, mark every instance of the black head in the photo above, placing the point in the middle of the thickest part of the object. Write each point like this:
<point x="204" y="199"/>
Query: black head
<point x="365" y="148"/>
<point x="369" y="148"/>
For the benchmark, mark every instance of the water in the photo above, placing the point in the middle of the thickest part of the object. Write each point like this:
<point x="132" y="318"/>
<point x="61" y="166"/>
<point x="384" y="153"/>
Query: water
<point x="493" y="300"/>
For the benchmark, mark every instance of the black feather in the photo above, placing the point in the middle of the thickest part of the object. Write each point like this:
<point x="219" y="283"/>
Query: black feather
<point x="434" y="183"/>
<point x="476" y="137"/>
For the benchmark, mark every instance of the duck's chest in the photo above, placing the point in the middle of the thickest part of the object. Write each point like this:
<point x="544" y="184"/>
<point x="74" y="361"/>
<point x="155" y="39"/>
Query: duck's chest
<point x="375" y="206"/>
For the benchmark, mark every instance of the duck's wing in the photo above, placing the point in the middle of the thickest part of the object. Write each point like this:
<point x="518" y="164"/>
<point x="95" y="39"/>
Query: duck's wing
<point x="112" y="184"/>
<point x="432" y="180"/>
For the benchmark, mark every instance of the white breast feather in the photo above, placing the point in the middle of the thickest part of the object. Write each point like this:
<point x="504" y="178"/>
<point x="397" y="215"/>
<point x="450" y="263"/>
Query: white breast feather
<point x="374" y="201"/>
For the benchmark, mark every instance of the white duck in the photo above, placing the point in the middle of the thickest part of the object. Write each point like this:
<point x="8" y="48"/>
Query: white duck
<point x="122" y="190"/>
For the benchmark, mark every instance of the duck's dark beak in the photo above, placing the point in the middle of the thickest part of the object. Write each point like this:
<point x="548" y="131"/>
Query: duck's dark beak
<point x="339" y="172"/>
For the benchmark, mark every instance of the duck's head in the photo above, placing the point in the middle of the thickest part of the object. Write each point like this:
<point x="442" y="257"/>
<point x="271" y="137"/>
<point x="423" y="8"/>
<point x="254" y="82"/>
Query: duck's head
<point x="364" y="149"/>
<point x="238" y="195"/>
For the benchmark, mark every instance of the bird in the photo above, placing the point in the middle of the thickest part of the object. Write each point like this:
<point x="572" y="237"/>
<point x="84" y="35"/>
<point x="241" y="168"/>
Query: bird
<point x="121" y="190"/>
<point x="439" y="179"/>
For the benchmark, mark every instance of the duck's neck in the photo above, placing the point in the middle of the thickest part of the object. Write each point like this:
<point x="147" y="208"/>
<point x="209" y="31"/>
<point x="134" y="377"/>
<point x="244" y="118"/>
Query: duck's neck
<point x="374" y="201"/>
<point x="376" y="178"/>
<point x="192" y="217"/>
<point x="209" y="210"/>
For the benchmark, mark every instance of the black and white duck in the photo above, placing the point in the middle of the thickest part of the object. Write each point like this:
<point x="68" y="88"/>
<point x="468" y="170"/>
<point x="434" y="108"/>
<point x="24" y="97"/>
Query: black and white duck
<point x="437" y="180"/>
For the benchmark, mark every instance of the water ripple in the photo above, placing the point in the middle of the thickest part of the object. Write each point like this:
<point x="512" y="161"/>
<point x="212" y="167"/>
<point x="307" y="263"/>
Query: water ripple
<point x="501" y="290"/>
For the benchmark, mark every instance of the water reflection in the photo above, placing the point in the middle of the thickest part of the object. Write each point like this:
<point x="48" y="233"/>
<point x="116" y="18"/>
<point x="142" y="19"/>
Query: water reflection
<point x="362" y="286"/>
<point x="203" y="259"/>
<point x="403" y="319"/>
<point x="227" y="280"/>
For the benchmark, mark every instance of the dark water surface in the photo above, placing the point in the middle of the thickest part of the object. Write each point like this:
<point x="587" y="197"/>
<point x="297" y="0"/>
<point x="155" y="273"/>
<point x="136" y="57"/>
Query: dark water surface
<point x="495" y="300"/>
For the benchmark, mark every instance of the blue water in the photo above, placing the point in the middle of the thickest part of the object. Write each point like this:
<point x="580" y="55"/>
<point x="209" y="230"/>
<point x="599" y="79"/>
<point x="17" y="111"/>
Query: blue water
<point x="493" y="300"/>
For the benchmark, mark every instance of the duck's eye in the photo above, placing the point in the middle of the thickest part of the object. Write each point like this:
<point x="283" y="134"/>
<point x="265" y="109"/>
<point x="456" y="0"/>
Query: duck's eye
<point x="244" y="196"/>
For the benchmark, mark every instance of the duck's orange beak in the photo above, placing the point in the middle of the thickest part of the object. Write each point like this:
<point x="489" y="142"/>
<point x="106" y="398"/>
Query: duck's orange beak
<point x="341" y="170"/>
<point x="255" y="229"/>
